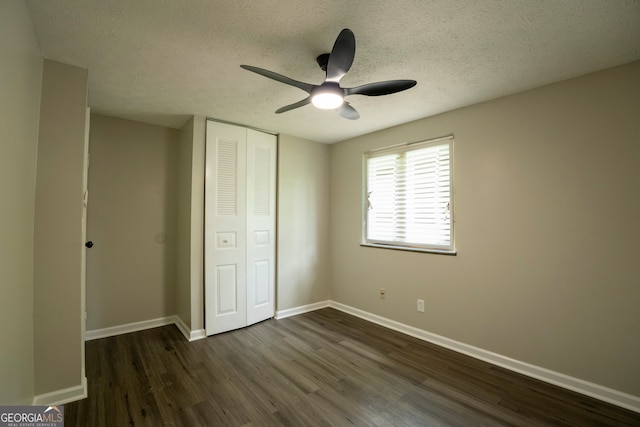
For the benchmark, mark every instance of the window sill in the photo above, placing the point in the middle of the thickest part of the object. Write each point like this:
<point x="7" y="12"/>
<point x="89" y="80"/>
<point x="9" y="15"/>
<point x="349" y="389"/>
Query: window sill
<point x="411" y="249"/>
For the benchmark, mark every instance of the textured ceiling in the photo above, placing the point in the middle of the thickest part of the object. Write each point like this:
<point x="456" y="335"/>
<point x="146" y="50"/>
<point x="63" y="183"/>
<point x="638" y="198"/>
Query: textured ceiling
<point x="160" y="61"/>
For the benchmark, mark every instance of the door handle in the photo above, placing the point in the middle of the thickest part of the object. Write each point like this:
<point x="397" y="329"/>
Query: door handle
<point x="89" y="244"/>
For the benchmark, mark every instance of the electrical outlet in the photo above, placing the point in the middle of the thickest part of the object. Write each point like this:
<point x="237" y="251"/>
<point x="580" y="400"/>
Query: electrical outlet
<point x="421" y="305"/>
<point x="383" y="293"/>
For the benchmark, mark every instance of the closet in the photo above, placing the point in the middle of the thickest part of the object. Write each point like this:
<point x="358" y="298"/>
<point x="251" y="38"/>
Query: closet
<point x="239" y="229"/>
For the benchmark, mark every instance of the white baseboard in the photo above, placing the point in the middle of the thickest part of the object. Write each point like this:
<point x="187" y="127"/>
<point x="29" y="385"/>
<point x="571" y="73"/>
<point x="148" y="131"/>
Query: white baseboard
<point x="129" y="327"/>
<point x="60" y="397"/>
<point x="182" y="327"/>
<point x="198" y="334"/>
<point x="190" y="335"/>
<point x="281" y="314"/>
<point x="587" y="388"/>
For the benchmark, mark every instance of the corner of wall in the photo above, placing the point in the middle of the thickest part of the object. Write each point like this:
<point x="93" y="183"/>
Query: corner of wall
<point x="58" y="242"/>
<point x="197" y="223"/>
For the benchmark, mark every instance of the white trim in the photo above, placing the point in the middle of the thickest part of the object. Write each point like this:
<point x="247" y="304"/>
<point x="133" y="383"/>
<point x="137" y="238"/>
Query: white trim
<point x="129" y="327"/>
<point x="60" y="397"/>
<point x="190" y="335"/>
<point x="281" y="314"/>
<point x="197" y="334"/>
<point x="182" y="327"/>
<point x="587" y="388"/>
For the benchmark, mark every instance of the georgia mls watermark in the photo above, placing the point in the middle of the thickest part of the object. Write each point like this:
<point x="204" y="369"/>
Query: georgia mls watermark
<point x="31" y="416"/>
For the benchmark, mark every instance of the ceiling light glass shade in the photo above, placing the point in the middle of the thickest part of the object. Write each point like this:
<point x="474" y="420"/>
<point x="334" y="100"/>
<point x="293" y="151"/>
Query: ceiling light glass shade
<point x="328" y="96"/>
<point x="327" y="101"/>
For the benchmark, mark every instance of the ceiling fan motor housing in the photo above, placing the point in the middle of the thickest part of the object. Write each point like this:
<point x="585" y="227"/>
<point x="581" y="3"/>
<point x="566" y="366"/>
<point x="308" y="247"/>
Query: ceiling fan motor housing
<point x="322" y="61"/>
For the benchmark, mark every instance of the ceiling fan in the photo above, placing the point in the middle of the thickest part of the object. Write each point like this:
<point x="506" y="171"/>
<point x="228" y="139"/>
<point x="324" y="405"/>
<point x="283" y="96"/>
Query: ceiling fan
<point x="330" y="95"/>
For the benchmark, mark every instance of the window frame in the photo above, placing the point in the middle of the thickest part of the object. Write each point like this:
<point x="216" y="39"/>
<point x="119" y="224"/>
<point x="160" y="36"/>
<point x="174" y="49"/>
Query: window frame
<point x="397" y="245"/>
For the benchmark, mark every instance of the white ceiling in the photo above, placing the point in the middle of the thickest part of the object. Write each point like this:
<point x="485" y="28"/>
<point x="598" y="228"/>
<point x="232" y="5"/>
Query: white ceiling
<point x="160" y="61"/>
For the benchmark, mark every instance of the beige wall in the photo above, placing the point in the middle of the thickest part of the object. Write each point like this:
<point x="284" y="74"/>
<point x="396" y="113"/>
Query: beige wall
<point x="133" y="181"/>
<point x="547" y="199"/>
<point x="20" y="83"/>
<point x="58" y="241"/>
<point x="303" y="222"/>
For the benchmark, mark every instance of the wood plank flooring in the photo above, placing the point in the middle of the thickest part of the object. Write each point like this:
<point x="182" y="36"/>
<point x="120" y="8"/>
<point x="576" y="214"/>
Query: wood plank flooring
<point x="324" y="368"/>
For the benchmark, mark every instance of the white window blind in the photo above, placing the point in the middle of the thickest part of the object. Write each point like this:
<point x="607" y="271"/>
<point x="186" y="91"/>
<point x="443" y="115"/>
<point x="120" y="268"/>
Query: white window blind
<point x="408" y="199"/>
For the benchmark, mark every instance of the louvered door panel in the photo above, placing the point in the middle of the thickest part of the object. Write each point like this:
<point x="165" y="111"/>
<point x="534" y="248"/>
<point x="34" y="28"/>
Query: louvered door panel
<point x="225" y="230"/>
<point x="261" y="188"/>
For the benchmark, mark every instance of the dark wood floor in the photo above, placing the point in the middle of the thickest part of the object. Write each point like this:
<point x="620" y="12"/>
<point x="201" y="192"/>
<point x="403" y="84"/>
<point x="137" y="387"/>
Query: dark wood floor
<point x="324" y="368"/>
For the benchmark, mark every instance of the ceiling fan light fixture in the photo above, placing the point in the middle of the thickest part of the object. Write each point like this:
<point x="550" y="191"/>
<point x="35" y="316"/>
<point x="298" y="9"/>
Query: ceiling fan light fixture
<point x="327" y="101"/>
<point x="327" y="96"/>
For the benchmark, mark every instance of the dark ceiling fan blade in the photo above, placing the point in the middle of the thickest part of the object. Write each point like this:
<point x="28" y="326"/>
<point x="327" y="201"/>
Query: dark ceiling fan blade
<point x="348" y="112"/>
<point x="298" y="104"/>
<point x="307" y="87"/>
<point x="381" y="88"/>
<point x="341" y="57"/>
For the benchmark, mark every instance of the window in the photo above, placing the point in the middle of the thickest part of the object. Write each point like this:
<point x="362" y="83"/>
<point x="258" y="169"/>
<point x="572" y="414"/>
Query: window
<point x="408" y="201"/>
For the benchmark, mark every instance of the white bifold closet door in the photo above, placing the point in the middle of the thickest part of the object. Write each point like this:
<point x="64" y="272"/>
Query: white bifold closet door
<point x="240" y="194"/>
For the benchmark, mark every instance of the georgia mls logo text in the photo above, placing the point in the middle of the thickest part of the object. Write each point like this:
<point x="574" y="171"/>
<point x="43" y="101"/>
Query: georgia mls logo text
<point x="32" y="416"/>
